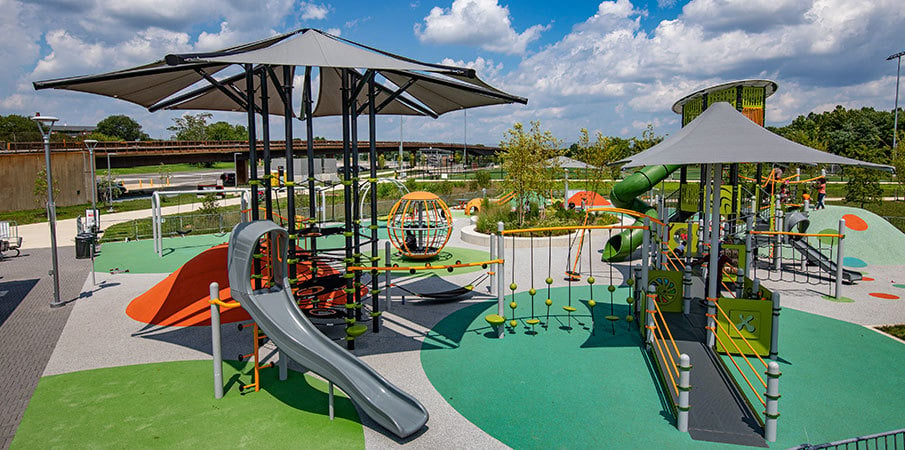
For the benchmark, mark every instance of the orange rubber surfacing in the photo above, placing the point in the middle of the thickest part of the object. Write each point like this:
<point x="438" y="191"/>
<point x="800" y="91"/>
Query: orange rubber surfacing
<point x="854" y="222"/>
<point x="182" y="298"/>
<point x="589" y="199"/>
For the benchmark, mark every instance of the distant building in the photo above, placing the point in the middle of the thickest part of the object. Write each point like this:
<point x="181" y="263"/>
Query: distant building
<point x="74" y="130"/>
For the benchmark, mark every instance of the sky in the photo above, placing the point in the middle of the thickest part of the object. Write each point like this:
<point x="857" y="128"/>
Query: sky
<point x="611" y="66"/>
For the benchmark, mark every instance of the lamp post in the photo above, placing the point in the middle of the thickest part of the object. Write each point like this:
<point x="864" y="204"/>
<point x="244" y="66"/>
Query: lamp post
<point x="109" y="184"/>
<point x="91" y="144"/>
<point x="895" y="121"/>
<point x="45" y="125"/>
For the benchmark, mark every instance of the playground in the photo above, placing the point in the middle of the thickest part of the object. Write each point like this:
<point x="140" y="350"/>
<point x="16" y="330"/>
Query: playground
<point x="716" y="315"/>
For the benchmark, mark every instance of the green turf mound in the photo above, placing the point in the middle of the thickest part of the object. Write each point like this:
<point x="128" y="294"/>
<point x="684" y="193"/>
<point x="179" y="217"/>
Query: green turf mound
<point x="172" y="405"/>
<point x="880" y="244"/>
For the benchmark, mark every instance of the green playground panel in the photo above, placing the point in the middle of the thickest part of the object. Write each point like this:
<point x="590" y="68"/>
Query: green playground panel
<point x="752" y="319"/>
<point x="678" y="228"/>
<point x="726" y="200"/>
<point x="689" y="198"/>
<point x="763" y="293"/>
<point x="669" y="289"/>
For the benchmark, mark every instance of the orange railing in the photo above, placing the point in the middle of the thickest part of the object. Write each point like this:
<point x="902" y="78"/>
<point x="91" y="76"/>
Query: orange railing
<point x="664" y="347"/>
<point x="738" y="351"/>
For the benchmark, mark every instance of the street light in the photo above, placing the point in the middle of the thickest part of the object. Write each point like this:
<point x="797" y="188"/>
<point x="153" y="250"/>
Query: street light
<point x="91" y="144"/>
<point x="109" y="185"/>
<point x="895" y="121"/>
<point x="45" y="126"/>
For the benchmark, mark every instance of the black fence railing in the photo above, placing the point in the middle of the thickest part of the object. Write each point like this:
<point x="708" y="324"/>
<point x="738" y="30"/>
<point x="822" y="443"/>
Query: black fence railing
<point x="880" y="441"/>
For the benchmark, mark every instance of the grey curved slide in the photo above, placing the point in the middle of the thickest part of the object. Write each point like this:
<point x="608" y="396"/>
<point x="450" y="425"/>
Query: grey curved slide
<point x="276" y="313"/>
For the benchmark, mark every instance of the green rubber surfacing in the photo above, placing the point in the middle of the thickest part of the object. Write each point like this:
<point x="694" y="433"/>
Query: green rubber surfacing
<point x="172" y="405"/>
<point x="569" y="389"/>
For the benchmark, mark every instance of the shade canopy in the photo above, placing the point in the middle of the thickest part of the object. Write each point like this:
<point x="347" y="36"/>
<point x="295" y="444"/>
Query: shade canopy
<point x="213" y="98"/>
<point x="147" y="84"/>
<point x="331" y="105"/>
<point x="723" y="135"/>
<point x="313" y="48"/>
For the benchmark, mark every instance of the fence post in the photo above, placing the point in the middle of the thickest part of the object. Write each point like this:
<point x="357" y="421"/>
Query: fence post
<point x="649" y="311"/>
<point x="839" y="259"/>
<point x="501" y="277"/>
<point x="711" y="323"/>
<point x="686" y="290"/>
<point x="749" y="246"/>
<point x="739" y="282"/>
<point x="684" y="388"/>
<point x="772" y="396"/>
<point x="688" y="239"/>
<point x="777" y="242"/>
<point x="492" y="257"/>
<point x="645" y="254"/>
<point x="637" y="290"/>
<point x="215" y="341"/>
<point x="774" y="335"/>
<point x="388" y="289"/>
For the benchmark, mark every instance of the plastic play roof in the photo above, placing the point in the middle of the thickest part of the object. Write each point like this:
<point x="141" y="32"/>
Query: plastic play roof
<point x="723" y="135"/>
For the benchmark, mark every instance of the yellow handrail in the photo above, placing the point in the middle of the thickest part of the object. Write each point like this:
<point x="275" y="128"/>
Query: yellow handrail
<point x="425" y="267"/>
<point x="628" y="212"/>
<point x="672" y="367"/>
<point x="574" y="227"/>
<point x="222" y="304"/>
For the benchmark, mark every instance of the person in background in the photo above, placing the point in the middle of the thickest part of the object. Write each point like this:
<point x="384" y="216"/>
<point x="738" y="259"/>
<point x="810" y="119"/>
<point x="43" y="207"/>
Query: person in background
<point x="821" y="193"/>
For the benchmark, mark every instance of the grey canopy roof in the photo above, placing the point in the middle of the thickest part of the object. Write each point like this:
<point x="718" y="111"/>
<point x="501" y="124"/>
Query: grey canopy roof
<point x="211" y="98"/>
<point x="331" y="105"/>
<point x="313" y="48"/>
<point x="147" y="84"/>
<point x="723" y="135"/>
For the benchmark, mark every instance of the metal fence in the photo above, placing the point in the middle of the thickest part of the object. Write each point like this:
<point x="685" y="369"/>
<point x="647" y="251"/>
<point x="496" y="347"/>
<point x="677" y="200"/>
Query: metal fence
<point x="174" y="225"/>
<point x="881" y="441"/>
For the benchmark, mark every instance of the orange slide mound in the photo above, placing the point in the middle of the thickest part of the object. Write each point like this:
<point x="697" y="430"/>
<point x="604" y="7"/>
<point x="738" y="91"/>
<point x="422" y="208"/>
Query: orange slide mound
<point x="182" y="298"/>
<point x="589" y="199"/>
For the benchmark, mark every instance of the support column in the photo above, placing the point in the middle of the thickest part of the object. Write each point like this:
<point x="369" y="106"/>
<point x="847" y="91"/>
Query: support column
<point x="290" y="176"/>
<point x="347" y="206"/>
<point x="501" y="277"/>
<point x="684" y="389"/>
<point x="265" y="132"/>
<point x="216" y="349"/>
<point x="839" y="259"/>
<point x="372" y="179"/>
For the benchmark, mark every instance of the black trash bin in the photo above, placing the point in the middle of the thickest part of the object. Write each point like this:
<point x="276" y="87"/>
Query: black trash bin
<point x="83" y="243"/>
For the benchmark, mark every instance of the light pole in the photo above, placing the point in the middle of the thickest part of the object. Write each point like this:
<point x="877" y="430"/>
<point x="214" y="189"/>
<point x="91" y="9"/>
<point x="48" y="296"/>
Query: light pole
<point x="45" y="125"/>
<point x="91" y="144"/>
<point x="895" y="121"/>
<point x="109" y="184"/>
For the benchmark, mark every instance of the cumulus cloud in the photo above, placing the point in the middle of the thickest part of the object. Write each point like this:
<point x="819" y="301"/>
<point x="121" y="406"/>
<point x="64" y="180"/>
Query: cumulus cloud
<point x="313" y="11"/>
<point x="482" y="23"/>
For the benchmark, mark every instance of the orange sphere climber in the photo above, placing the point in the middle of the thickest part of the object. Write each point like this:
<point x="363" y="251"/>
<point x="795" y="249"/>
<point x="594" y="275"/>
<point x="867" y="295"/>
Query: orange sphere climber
<point x="419" y="225"/>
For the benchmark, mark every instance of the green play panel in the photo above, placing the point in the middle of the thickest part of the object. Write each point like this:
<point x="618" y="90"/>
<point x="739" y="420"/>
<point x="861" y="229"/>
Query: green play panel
<point x="567" y="388"/>
<point x="139" y="256"/>
<point x="171" y="405"/>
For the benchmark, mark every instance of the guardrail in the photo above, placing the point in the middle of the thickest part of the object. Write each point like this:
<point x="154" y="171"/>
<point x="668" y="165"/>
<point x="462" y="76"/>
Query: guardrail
<point x="881" y="441"/>
<point x="678" y="367"/>
<point x="771" y="385"/>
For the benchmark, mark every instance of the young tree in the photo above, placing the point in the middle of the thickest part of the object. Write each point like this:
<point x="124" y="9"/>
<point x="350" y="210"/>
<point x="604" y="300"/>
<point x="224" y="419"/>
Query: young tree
<point x="525" y="154"/>
<point x="594" y="154"/>
<point x="191" y="127"/>
<point x="122" y="127"/>
<point x="40" y="188"/>
<point x="864" y="184"/>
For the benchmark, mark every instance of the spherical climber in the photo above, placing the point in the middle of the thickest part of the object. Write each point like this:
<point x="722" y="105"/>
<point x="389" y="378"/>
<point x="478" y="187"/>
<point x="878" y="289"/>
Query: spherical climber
<point x="513" y="286"/>
<point x="549" y="280"/>
<point x="630" y="282"/>
<point x="419" y="225"/>
<point x="591" y="280"/>
<point x="548" y="302"/>
<point x="513" y="305"/>
<point x="592" y="303"/>
<point x="611" y="288"/>
<point x="630" y="300"/>
<point x="532" y="291"/>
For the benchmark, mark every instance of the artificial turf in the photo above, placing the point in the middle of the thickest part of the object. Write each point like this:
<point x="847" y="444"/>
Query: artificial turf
<point x="567" y="388"/>
<point x="171" y="405"/>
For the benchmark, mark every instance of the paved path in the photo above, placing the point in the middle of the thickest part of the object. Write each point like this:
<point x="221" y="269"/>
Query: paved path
<point x="29" y="328"/>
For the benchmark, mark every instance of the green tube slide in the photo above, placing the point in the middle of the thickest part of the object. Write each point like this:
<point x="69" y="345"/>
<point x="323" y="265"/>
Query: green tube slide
<point x="624" y="195"/>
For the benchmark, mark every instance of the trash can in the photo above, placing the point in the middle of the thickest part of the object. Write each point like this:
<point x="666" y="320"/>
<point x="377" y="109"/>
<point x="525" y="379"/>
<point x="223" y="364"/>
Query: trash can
<point x="83" y="243"/>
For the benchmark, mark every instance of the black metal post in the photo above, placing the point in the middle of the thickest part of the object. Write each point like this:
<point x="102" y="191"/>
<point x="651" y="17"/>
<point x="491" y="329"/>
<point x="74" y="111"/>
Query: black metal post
<point x="372" y="155"/>
<point x="265" y="134"/>
<point x="356" y="206"/>
<point x="290" y="174"/>
<point x="252" y="158"/>
<point x="347" y="195"/>
<point x="309" y="131"/>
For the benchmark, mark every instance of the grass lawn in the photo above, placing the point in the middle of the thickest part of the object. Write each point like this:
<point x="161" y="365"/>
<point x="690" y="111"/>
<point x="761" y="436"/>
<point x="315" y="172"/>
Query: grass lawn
<point x="218" y="166"/>
<point x="895" y="330"/>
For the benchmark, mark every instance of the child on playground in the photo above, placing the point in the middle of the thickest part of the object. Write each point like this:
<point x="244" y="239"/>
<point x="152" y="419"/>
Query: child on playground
<point x="821" y="193"/>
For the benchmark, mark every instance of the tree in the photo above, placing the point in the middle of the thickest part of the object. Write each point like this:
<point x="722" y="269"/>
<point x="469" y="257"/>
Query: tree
<point x="864" y="184"/>
<point x="594" y="154"/>
<point x="525" y="155"/>
<point x="122" y="127"/>
<point x="190" y="127"/>
<point x="16" y="128"/>
<point x="40" y="189"/>
<point x="223" y="131"/>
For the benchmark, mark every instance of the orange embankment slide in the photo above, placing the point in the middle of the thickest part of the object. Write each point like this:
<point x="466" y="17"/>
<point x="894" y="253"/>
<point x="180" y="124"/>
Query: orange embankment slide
<point x="589" y="199"/>
<point x="181" y="299"/>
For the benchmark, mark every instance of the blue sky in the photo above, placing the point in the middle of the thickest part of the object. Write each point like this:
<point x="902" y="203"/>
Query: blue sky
<point x="613" y="66"/>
